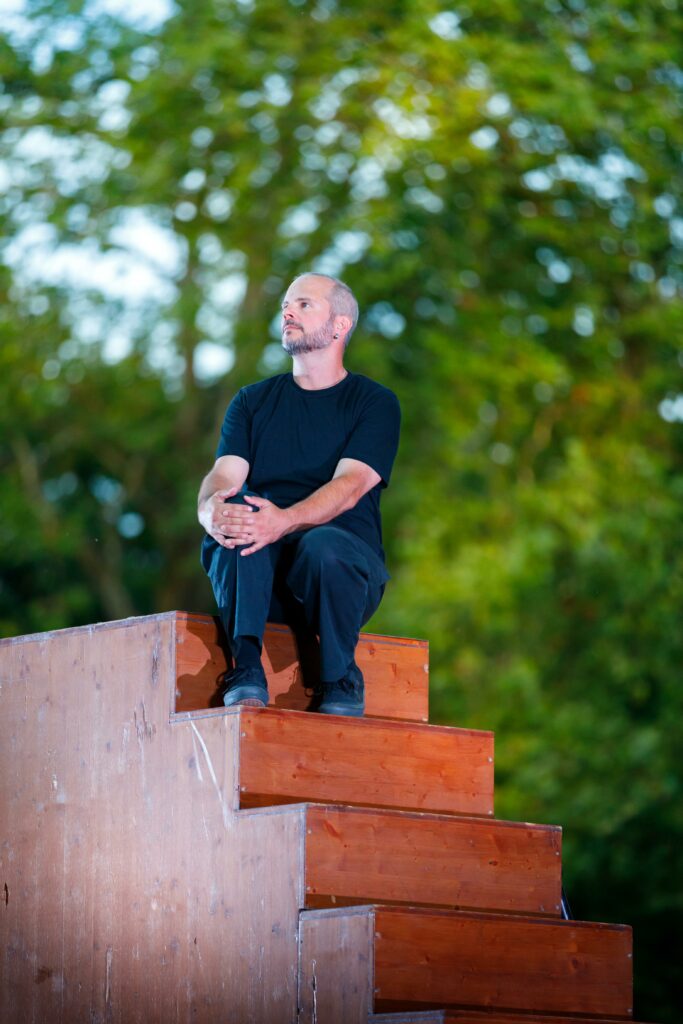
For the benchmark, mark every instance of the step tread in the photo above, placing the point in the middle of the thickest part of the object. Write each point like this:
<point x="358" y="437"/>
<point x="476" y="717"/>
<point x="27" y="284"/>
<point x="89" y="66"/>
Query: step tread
<point x="293" y="757"/>
<point x="361" y="855"/>
<point x="396" y="669"/>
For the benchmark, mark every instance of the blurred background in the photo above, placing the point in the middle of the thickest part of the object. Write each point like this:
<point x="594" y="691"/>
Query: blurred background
<point x="500" y="183"/>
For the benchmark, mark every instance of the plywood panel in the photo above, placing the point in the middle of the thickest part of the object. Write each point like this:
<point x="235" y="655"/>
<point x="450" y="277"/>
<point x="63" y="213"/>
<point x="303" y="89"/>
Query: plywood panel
<point x="396" y="669"/>
<point x="133" y="892"/>
<point x="335" y="969"/>
<point x="387" y="856"/>
<point x="433" y="958"/>
<point x="288" y="756"/>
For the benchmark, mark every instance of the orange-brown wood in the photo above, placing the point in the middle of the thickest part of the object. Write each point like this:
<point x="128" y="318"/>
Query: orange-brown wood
<point x="288" y="756"/>
<point x="396" y="669"/>
<point x="431" y="959"/>
<point x="136" y="889"/>
<point x="437" y="958"/>
<point x="483" y="1017"/>
<point x="368" y="856"/>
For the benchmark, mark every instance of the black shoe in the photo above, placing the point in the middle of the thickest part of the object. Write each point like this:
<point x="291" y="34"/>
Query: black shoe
<point x="246" y="686"/>
<point x="345" y="697"/>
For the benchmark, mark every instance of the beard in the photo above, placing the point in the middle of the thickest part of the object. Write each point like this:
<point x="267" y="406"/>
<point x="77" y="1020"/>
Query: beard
<point x="312" y="341"/>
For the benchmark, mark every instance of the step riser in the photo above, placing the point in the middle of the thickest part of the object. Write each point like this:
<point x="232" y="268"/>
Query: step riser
<point x="396" y="669"/>
<point x="483" y="1017"/>
<point x="286" y="757"/>
<point x="506" y="964"/>
<point x="363" y="856"/>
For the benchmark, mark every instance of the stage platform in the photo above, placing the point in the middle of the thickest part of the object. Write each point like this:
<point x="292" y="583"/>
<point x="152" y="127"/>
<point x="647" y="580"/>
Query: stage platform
<point x="166" y="859"/>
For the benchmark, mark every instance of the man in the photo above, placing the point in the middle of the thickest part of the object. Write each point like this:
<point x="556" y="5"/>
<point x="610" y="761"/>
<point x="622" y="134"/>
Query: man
<point x="291" y="506"/>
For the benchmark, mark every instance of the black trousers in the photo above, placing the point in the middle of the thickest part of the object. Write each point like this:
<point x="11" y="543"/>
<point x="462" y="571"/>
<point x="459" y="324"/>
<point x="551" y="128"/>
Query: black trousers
<point x="325" y="581"/>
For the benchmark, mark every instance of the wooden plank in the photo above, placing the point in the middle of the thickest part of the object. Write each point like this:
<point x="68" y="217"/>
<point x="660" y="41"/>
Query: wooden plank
<point x="483" y="1017"/>
<point x="288" y="757"/>
<point x="366" y="856"/>
<point x="396" y="669"/>
<point x="434" y="959"/>
<point x="133" y="891"/>
<point x="335" y="967"/>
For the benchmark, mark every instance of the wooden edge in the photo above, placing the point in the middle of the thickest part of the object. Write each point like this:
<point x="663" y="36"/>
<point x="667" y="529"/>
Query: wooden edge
<point x="321" y="809"/>
<point x="94" y="627"/>
<point x="364" y="910"/>
<point x="478" y="915"/>
<point x="318" y="902"/>
<point x="384" y="723"/>
<point x="352" y="723"/>
<point x="379" y="910"/>
<point x="488" y="1017"/>
<point x="188" y="716"/>
<point x="252" y="800"/>
<point x="277" y="627"/>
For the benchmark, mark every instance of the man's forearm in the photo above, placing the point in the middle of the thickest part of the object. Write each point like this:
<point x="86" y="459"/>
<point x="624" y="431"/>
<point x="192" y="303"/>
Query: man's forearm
<point x="339" y="495"/>
<point x="228" y="472"/>
<point x="256" y="522"/>
<point x="214" y="482"/>
<point x="224" y="479"/>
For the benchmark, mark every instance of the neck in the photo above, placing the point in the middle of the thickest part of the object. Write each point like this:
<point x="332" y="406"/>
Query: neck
<point x="313" y="371"/>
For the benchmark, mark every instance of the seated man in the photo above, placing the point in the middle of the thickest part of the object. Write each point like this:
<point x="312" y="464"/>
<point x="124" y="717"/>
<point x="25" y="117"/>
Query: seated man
<point x="291" y="506"/>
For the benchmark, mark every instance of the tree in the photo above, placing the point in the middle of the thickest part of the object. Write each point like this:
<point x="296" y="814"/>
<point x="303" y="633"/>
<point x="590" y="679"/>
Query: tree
<point x="500" y="186"/>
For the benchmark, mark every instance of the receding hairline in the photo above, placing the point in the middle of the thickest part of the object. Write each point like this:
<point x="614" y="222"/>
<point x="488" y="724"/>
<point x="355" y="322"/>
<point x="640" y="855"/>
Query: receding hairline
<point x="340" y="297"/>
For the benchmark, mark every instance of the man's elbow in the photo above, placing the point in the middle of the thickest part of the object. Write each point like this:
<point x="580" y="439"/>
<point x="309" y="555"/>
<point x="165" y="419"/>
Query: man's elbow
<point x="358" y="488"/>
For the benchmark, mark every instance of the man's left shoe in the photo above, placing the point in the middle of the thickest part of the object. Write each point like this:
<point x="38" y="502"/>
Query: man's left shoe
<point x="246" y="686"/>
<point x="345" y="697"/>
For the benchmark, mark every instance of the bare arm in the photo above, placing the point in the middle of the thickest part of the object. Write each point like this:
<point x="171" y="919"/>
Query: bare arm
<point x="265" y="522"/>
<point x="223" y="481"/>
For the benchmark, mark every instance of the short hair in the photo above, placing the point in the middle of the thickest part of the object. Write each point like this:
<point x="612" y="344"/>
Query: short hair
<point x="342" y="300"/>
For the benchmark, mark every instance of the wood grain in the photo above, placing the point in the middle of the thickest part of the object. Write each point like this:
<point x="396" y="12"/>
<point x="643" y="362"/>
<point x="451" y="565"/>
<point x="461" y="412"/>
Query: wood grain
<point x="133" y="892"/>
<point x="483" y="1017"/>
<point x="366" y="856"/>
<point x="287" y="756"/>
<point x="437" y="959"/>
<point x="335" y="968"/>
<point x="396" y="669"/>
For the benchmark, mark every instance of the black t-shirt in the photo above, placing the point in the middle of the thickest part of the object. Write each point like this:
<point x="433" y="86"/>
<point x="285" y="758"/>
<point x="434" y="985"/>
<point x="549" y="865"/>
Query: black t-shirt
<point x="293" y="440"/>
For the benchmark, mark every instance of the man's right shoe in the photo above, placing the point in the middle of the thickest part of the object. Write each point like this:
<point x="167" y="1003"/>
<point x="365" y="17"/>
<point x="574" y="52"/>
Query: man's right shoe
<point x="345" y="697"/>
<point x="246" y="686"/>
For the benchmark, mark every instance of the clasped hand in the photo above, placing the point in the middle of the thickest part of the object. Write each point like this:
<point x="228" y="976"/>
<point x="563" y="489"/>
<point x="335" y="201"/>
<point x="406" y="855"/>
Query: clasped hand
<point x="251" y="526"/>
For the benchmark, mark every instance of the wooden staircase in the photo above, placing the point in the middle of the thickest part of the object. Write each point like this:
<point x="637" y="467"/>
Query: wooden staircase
<point x="168" y="859"/>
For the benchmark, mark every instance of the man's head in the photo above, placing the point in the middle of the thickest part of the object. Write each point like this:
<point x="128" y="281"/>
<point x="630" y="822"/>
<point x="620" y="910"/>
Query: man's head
<point x="317" y="311"/>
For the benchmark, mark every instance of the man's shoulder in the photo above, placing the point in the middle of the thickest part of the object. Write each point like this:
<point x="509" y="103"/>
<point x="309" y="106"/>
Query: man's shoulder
<point x="367" y="388"/>
<point x="258" y="392"/>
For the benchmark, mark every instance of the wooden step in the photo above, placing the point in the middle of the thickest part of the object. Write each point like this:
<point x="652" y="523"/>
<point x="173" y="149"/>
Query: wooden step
<point x="398" y="959"/>
<point x="357" y="855"/>
<point x="292" y="757"/>
<point x="396" y="669"/>
<point x="483" y="1017"/>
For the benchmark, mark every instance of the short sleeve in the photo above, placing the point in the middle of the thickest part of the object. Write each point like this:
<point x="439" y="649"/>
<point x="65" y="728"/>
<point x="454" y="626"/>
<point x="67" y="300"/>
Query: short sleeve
<point x="374" y="438"/>
<point x="235" y="436"/>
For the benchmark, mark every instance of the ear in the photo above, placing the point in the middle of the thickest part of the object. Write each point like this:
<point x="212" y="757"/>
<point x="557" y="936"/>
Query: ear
<point x="342" y="325"/>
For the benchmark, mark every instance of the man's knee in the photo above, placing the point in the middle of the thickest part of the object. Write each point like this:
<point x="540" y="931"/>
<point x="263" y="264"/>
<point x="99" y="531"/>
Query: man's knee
<point x="328" y="548"/>
<point x="238" y="499"/>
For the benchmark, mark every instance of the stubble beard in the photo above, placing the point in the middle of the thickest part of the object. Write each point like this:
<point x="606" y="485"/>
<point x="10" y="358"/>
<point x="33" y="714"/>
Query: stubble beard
<point x="309" y="342"/>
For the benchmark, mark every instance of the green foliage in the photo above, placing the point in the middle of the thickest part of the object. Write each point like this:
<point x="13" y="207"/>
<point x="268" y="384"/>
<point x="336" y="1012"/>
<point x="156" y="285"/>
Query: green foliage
<point x="501" y="187"/>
